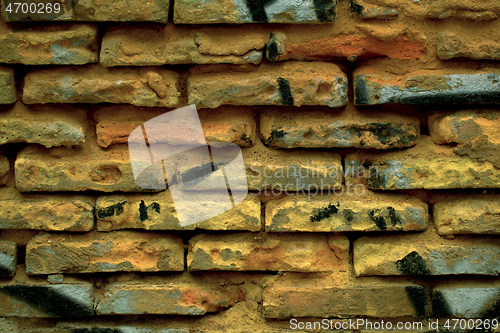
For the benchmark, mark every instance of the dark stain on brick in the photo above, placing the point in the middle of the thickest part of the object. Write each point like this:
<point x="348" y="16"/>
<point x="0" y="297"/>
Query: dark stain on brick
<point x="272" y="49"/>
<point x="361" y="94"/>
<point x="115" y="209"/>
<point x="275" y="135"/>
<point x="395" y="219"/>
<point x="228" y="254"/>
<point x="324" y="213"/>
<point x="379" y="220"/>
<point x="47" y="300"/>
<point x="440" y="307"/>
<point x="348" y="216"/>
<point x="285" y="92"/>
<point x="143" y="210"/>
<point x="257" y="10"/>
<point x="417" y="298"/>
<point x="355" y="7"/>
<point x="6" y="272"/>
<point x="413" y="264"/>
<point x="386" y="133"/>
<point x="196" y="174"/>
<point x="325" y="10"/>
<point x="442" y="97"/>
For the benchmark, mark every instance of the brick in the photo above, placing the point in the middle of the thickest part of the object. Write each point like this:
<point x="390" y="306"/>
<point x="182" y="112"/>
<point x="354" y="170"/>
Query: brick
<point x="319" y="128"/>
<point x="341" y="213"/>
<point x="155" y="45"/>
<point x="326" y="46"/>
<point x="468" y="215"/>
<point x="418" y="255"/>
<point x="45" y="125"/>
<point x="371" y="11"/>
<point x="225" y="124"/>
<point x="8" y="258"/>
<point x="51" y="213"/>
<point x="465" y="300"/>
<point x="277" y="170"/>
<point x="268" y="252"/>
<point x="471" y="10"/>
<point x="475" y="131"/>
<point x="7" y="86"/>
<point x="65" y="13"/>
<point x="9" y="326"/>
<point x="425" y="166"/>
<point x="290" y="83"/>
<point x="231" y="11"/>
<point x="122" y="10"/>
<point x="157" y="212"/>
<point x="374" y="87"/>
<point x="171" y="299"/>
<point x="42" y="300"/>
<point x="284" y="299"/>
<point x="88" y="167"/>
<point x="67" y="44"/>
<point x="95" y="252"/>
<point x="452" y="45"/>
<point x="95" y="84"/>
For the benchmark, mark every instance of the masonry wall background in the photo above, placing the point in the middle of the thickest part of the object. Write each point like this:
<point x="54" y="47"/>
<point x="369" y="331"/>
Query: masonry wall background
<point x="317" y="94"/>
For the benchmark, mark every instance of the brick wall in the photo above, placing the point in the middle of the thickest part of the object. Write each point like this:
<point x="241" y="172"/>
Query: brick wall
<point x="386" y="111"/>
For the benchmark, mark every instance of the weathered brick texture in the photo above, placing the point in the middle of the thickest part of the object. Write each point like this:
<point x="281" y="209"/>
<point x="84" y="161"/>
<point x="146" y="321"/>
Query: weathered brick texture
<point x="346" y="212"/>
<point x="116" y="252"/>
<point x="248" y="252"/>
<point x="290" y="83"/>
<point x="369" y="186"/>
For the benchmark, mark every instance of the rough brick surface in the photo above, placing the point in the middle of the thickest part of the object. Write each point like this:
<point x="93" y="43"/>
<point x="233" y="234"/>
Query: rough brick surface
<point x="122" y="10"/>
<point x="373" y="86"/>
<point x="157" y="212"/>
<point x="225" y="124"/>
<point x="414" y="255"/>
<point x="95" y="84"/>
<point x="96" y="252"/>
<point x="295" y="170"/>
<point x="251" y="252"/>
<point x="378" y="300"/>
<point x="8" y="258"/>
<point x="38" y="212"/>
<point x="171" y="299"/>
<point x="465" y="300"/>
<point x="150" y="45"/>
<point x="475" y="131"/>
<point x="278" y="170"/>
<point x="468" y="215"/>
<point x="290" y="83"/>
<point x="7" y="86"/>
<point x="453" y="45"/>
<point x="335" y="213"/>
<point x="314" y="45"/>
<point x="233" y="11"/>
<point x="319" y="128"/>
<point x="88" y="167"/>
<point x="41" y="300"/>
<point x="68" y="44"/>
<point x="48" y="126"/>
<point x="17" y="14"/>
<point x="426" y="166"/>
